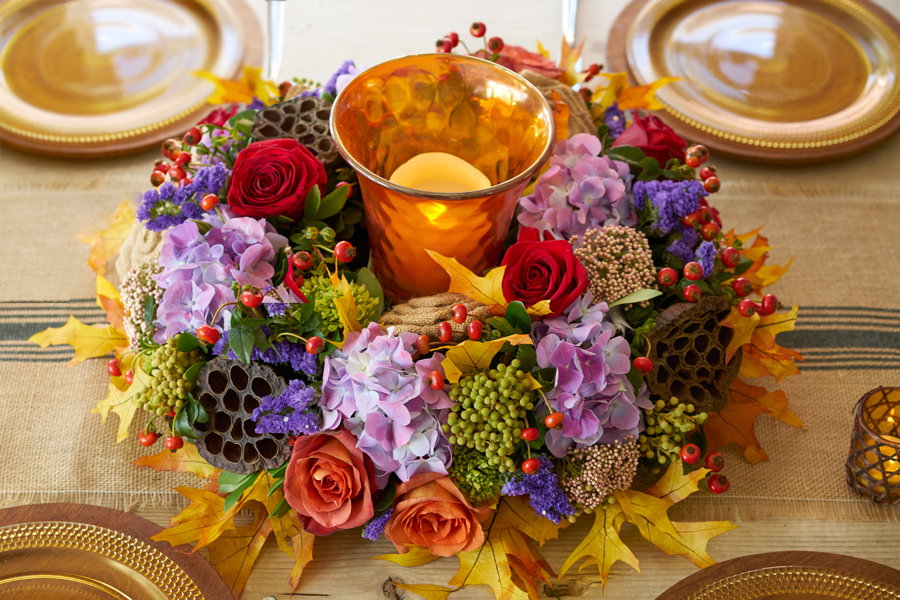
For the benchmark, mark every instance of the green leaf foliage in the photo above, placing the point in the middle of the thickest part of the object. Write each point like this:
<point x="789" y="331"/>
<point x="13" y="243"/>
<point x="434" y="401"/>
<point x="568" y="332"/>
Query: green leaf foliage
<point x="518" y="317"/>
<point x="637" y="296"/>
<point x="313" y="200"/>
<point x="333" y="203"/>
<point x="367" y="278"/>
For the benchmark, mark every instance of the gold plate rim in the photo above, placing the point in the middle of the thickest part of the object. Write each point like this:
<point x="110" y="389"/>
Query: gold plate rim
<point x="232" y="13"/>
<point x="802" y="137"/>
<point x="786" y="580"/>
<point x="124" y="549"/>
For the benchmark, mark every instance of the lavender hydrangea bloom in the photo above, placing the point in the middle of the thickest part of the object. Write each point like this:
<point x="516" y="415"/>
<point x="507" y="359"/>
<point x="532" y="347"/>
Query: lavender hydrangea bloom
<point x="614" y="119"/>
<point x="375" y="528"/>
<point x="706" y="256"/>
<point x="581" y="323"/>
<point x="338" y="80"/>
<point x="199" y="269"/>
<point x="543" y="491"/>
<point x="289" y="413"/>
<point x="376" y="390"/>
<point x="580" y="190"/>
<point x="170" y="205"/>
<point x="673" y="200"/>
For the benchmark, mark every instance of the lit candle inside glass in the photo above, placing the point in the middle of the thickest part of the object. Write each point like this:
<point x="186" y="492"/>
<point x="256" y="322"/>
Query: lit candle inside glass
<point x="441" y="173"/>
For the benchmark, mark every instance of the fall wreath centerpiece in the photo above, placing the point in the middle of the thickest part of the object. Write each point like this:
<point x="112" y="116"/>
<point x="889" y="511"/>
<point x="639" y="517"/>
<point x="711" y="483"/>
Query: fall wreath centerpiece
<point x="586" y="375"/>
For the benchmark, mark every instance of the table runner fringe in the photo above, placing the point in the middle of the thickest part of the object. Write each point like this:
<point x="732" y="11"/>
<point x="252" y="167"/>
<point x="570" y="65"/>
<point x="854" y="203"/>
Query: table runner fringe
<point x="730" y="508"/>
<point x="867" y="192"/>
<point x="125" y="501"/>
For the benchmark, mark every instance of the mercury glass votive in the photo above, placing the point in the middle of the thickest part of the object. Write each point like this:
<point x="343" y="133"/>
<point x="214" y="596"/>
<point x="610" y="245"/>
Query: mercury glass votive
<point x="873" y="466"/>
<point x="470" y="108"/>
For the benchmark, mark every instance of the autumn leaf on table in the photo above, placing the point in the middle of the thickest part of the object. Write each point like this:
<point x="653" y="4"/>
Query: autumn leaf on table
<point x="488" y="289"/>
<point x="185" y="459"/>
<point x="644" y="96"/>
<point x="302" y="544"/>
<point x="121" y="402"/>
<point x="471" y="355"/>
<point x="568" y="58"/>
<point x="206" y="508"/>
<point x="87" y="340"/>
<point x="105" y="288"/>
<point x="735" y="422"/>
<point x="488" y="565"/>
<point x="416" y="556"/>
<point x="234" y="553"/>
<point x="514" y="512"/>
<point x="243" y="90"/>
<point x="675" y="486"/>
<point x="602" y="545"/>
<point x="762" y="356"/>
<point x="106" y="243"/>
<point x="427" y="591"/>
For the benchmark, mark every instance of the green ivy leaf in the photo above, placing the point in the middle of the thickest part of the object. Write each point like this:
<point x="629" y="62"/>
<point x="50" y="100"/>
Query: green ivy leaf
<point x="333" y="203"/>
<point x="189" y="341"/>
<point x="313" y="200"/>
<point x="638" y="296"/>
<point x="527" y="355"/>
<point x="241" y="339"/>
<point x="518" y="317"/>
<point x="367" y="278"/>
<point x="193" y="370"/>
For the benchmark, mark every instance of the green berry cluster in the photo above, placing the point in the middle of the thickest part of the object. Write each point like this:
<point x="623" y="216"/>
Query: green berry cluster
<point x="489" y="413"/>
<point x="168" y="387"/>
<point x="321" y="288"/>
<point x="474" y="475"/>
<point x="667" y="426"/>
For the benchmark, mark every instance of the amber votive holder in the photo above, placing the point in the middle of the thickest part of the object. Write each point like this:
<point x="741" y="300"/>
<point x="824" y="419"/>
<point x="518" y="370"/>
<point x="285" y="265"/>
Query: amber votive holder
<point x="873" y="466"/>
<point x="468" y="107"/>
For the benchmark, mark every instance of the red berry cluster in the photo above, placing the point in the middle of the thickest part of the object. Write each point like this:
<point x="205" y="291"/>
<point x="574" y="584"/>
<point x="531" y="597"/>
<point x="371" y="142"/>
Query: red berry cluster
<point x="715" y="462"/>
<point x="459" y="315"/>
<point x="450" y="41"/>
<point x="176" y="171"/>
<point x="592" y="70"/>
<point x="702" y="221"/>
<point x="696" y="156"/>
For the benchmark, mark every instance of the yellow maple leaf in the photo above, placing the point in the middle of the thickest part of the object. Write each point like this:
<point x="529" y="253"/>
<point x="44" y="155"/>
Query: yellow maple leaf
<point x="488" y="289"/>
<point x="345" y="304"/>
<point x="302" y="544"/>
<point x="416" y="556"/>
<point x="205" y="509"/>
<point x="489" y="566"/>
<point x="743" y="330"/>
<point x="121" y="402"/>
<point x="105" y="288"/>
<point x="762" y="356"/>
<point x="602" y="546"/>
<point x="541" y="50"/>
<point x="234" y="553"/>
<point x="472" y="356"/>
<point x="185" y="459"/>
<point x="106" y="243"/>
<point x="514" y="512"/>
<point x="87" y="340"/>
<point x="606" y="93"/>
<point x="241" y="90"/>
<point x="643" y="96"/>
<point x="568" y="58"/>
<point x="675" y="486"/>
<point x="426" y="590"/>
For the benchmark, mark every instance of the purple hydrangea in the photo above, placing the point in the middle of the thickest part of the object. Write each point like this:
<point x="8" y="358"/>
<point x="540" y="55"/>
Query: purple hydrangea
<point x="170" y="205"/>
<point x="543" y="491"/>
<point x="374" y="388"/>
<point x="289" y="413"/>
<point x="338" y="80"/>
<point x="706" y="256"/>
<point x="672" y="199"/>
<point x="375" y="528"/>
<point x="581" y="323"/>
<point x="199" y="270"/>
<point x="579" y="191"/>
<point x="614" y="119"/>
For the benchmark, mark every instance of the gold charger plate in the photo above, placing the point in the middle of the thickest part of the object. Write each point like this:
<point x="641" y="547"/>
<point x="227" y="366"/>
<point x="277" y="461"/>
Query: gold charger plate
<point x="88" y="78"/>
<point x="790" y="576"/>
<point x="77" y="552"/>
<point x="769" y="80"/>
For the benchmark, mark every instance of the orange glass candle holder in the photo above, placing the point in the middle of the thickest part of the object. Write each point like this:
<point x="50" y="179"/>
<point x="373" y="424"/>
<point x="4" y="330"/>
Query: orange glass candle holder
<point x="474" y="109"/>
<point x="873" y="466"/>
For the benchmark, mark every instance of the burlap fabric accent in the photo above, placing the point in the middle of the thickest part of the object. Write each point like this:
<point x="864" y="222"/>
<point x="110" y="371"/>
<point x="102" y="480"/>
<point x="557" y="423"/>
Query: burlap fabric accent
<point x="140" y="245"/>
<point x="838" y="221"/>
<point x="422" y="315"/>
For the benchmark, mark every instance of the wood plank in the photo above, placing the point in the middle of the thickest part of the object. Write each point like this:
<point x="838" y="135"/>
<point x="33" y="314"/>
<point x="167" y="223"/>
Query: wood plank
<point x="343" y="565"/>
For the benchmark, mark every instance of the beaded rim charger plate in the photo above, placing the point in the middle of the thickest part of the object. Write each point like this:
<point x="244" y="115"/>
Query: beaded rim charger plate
<point x="88" y="78"/>
<point x="790" y="576"/>
<point x="769" y="80"/>
<point x="69" y="551"/>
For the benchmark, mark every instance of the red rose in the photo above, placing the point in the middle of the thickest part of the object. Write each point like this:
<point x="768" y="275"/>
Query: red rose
<point x="329" y="482"/>
<point x="655" y="138"/>
<point x="220" y="116"/>
<point x="545" y="270"/>
<point x="272" y="178"/>
<point x="518" y="59"/>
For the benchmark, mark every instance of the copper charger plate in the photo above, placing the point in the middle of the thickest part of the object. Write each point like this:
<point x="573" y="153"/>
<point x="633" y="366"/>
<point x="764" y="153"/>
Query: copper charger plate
<point x="767" y="80"/>
<point x="78" y="552"/>
<point x="85" y="78"/>
<point x="790" y="576"/>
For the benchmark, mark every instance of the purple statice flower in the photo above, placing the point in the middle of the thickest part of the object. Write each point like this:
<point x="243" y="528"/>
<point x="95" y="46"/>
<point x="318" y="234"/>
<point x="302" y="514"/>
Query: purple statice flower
<point x="375" y="528"/>
<point x="581" y="323"/>
<point x="681" y="250"/>
<point x="276" y="309"/>
<point x="614" y="119"/>
<point x="257" y="104"/>
<point x="672" y="199"/>
<point x="544" y="494"/>
<point x="579" y="191"/>
<point x="338" y="80"/>
<point x="278" y="353"/>
<point x="289" y="413"/>
<point x="170" y="205"/>
<point x="374" y="388"/>
<point x="706" y="256"/>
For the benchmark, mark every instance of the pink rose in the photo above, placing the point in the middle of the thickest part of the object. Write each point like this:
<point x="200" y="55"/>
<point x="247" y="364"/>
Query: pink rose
<point x="517" y="58"/>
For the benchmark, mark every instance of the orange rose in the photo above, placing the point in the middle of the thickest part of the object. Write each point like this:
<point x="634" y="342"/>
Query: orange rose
<point x="329" y="482"/>
<point x="430" y="511"/>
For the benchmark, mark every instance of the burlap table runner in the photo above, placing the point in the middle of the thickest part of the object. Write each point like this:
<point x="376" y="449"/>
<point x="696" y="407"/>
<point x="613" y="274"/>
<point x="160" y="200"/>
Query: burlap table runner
<point x="837" y="220"/>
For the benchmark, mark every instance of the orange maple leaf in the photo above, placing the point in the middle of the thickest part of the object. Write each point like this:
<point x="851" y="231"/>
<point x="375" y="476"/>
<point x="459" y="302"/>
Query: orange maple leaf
<point x="106" y="243"/>
<point x="735" y="422"/>
<point x="567" y="60"/>
<point x="186" y="459"/>
<point x="233" y="553"/>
